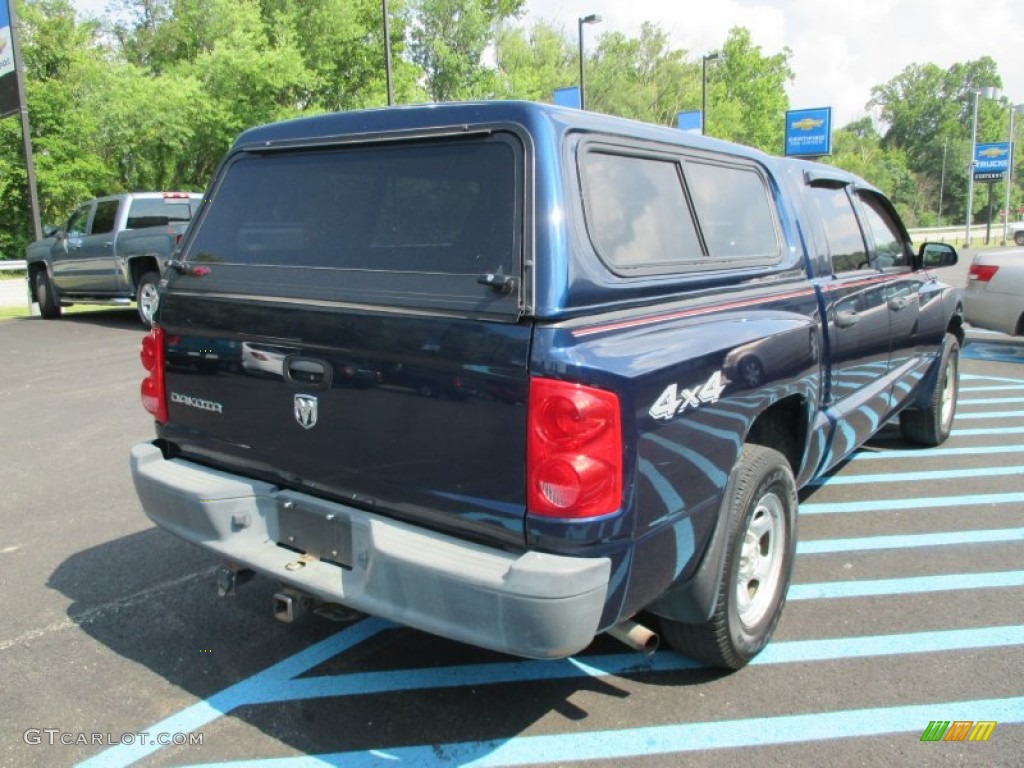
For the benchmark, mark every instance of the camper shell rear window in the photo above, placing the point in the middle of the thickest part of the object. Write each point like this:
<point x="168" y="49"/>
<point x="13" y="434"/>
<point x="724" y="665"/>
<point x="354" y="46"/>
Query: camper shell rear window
<point x="409" y="220"/>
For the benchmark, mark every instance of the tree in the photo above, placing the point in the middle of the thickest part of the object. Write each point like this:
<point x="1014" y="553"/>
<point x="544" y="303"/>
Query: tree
<point x="747" y="98"/>
<point x="643" y="78"/>
<point x="448" y="39"/>
<point x="930" y="113"/>
<point x="533" y="62"/>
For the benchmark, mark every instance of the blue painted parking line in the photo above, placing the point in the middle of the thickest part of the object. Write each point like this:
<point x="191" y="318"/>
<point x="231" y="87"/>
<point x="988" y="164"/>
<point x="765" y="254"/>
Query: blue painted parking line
<point x="961" y="416"/>
<point x="910" y="541"/>
<point x="912" y="477"/>
<point x="908" y="586"/>
<point x="990" y="401"/>
<point x="930" y="453"/>
<point x="885" y="505"/>
<point x="987" y="431"/>
<point x="665" y="739"/>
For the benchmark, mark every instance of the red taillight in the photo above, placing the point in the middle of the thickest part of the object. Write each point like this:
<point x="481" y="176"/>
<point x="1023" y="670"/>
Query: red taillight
<point x="573" y="450"/>
<point x="982" y="273"/>
<point x="154" y="398"/>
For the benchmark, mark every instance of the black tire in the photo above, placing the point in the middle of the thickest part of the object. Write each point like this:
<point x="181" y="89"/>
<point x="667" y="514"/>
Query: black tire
<point x="762" y="504"/>
<point x="147" y="300"/>
<point x="45" y="295"/>
<point x="1018" y="237"/>
<point x="932" y="425"/>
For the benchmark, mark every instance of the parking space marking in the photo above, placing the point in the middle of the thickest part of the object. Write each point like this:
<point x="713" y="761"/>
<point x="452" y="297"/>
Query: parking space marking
<point x="883" y="505"/>
<point x="661" y="740"/>
<point x="906" y="586"/>
<point x="896" y="453"/>
<point x="873" y="543"/>
<point x="910" y="477"/>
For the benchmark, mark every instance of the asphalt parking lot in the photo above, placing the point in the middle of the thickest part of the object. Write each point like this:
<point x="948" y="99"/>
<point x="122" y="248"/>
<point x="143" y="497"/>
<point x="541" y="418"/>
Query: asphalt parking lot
<point x="907" y="608"/>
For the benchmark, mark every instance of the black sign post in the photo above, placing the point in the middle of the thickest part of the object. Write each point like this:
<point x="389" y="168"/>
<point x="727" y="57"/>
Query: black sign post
<point x="12" y="99"/>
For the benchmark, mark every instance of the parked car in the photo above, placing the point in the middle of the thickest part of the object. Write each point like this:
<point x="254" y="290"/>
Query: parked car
<point x="110" y="251"/>
<point x="994" y="295"/>
<point x="1015" y="230"/>
<point x="583" y="291"/>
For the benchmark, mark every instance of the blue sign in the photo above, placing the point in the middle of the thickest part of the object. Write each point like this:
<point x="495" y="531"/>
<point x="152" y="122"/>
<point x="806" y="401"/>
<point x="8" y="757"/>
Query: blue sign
<point x="568" y="97"/>
<point x="809" y="132"/>
<point x="991" y="161"/>
<point x="689" y="121"/>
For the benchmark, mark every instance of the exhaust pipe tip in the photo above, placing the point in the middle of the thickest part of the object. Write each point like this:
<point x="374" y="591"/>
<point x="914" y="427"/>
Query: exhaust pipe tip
<point x="636" y="636"/>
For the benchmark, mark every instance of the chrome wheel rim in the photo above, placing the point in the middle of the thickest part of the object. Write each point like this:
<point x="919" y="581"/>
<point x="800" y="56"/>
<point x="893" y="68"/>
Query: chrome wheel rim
<point x="148" y="301"/>
<point x="761" y="556"/>
<point x="948" y="393"/>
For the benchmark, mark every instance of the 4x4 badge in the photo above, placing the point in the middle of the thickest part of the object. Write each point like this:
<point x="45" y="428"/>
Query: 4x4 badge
<point x="306" y="410"/>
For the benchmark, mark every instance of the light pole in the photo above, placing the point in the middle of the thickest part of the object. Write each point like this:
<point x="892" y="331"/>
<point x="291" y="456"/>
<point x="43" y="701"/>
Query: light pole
<point x="387" y="51"/>
<point x="704" y="89"/>
<point x="989" y="93"/>
<point x="942" y="182"/>
<point x="1014" y="108"/>
<point x="593" y="18"/>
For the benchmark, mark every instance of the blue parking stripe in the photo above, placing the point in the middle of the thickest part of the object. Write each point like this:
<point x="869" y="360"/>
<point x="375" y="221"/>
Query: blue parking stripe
<point x="987" y="431"/>
<point x="908" y="586"/>
<point x="961" y="416"/>
<point x="910" y="477"/>
<point x="990" y="401"/>
<point x="886" y="505"/>
<point x="667" y="739"/>
<point x="917" y="453"/>
<point x="910" y="541"/>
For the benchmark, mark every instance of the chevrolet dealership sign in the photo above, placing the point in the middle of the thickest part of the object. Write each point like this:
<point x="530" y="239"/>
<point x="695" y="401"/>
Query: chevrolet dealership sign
<point x="991" y="161"/>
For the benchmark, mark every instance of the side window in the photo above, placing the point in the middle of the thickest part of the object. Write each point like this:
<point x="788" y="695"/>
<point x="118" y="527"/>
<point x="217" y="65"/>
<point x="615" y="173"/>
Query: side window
<point x="78" y="222"/>
<point x="637" y="213"/>
<point x="845" y="240"/>
<point x="890" y="250"/>
<point x="104" y="218"/>
<point x="734" y="211"/>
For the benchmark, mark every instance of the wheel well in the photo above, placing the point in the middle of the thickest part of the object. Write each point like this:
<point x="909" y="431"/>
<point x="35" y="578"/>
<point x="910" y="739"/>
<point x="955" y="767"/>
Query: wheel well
<point x="140" y="267"/>
<point x="956" y="324"/>
<point x="783" y="426"/>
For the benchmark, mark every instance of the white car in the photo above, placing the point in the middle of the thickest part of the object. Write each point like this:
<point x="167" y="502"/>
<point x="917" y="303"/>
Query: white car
<point x="994" y="296"/>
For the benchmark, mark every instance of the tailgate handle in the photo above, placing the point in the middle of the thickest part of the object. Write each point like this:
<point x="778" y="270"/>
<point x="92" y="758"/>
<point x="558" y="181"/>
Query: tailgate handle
<point x="306" y="372"/>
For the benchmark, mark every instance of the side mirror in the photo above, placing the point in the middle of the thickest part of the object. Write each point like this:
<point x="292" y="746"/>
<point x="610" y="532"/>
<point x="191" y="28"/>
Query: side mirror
<point x="936" y="256"/>
<point x="50" y="230"/>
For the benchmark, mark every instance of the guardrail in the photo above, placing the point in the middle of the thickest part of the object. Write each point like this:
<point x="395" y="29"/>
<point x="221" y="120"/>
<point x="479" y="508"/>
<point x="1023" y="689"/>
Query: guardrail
<point x="12" y="266"/>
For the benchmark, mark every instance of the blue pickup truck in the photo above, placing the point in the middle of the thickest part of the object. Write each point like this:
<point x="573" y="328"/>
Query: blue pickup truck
<point x="110" y="251"/>
<point x="518" y="375"/>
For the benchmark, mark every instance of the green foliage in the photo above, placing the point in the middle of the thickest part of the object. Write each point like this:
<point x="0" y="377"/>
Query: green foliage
<point x="643" y="77"/>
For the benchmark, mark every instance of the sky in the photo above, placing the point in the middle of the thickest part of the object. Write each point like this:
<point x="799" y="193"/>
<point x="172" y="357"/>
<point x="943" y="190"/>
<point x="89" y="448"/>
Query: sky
<point x="840" y="48"/>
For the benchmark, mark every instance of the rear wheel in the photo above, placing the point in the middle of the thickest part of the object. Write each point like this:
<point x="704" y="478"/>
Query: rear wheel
<point x="932" y="425"/>
<point x="146" y="297"/>
<point x="46" y="297"/>
<point x="758" y="564"/>
<point x="1018" y="237"/>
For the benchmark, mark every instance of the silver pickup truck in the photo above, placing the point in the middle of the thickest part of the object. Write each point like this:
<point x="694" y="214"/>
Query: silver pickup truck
<point x="112" y="250"/>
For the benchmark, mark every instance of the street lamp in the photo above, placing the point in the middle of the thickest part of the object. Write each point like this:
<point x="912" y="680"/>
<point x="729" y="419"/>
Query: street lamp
<point x="989" y="93"/>
<point x="1014" y="108"/>
<point x="591" y="19"/>
<point x="704" y="89"/>
<point x="387" y="51"/>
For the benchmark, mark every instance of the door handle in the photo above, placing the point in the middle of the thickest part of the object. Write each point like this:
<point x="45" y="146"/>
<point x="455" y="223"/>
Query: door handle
<point x="846" y="318"/>
<point x="307" y="372"/>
